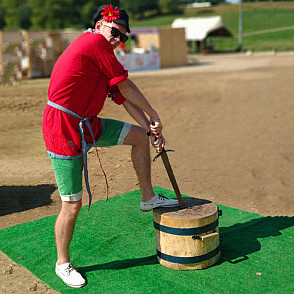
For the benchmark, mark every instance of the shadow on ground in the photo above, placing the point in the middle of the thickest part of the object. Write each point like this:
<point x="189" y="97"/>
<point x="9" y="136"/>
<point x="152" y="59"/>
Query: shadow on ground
<point x="240" y="240"/>
<point x="120" y="264"/>
<point x="21" y="198"/>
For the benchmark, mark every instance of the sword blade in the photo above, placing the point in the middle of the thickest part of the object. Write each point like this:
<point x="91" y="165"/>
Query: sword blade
<point x="172" y="178"/>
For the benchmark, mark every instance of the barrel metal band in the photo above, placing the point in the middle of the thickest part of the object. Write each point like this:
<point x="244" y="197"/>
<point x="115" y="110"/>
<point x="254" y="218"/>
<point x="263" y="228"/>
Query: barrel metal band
<point x="189" y="260"/>
<point x="186" y="232"/>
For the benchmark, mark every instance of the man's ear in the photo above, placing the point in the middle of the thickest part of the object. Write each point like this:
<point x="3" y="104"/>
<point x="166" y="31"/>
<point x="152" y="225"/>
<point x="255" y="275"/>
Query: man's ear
<point x="98" y="26"/>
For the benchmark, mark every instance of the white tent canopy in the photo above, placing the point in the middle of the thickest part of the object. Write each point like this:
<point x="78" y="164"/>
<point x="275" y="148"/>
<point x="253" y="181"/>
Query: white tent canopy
<point x="199" y="28"/>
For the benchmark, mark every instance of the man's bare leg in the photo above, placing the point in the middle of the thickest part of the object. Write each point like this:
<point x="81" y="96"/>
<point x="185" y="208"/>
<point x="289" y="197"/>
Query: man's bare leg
<point x="64" y="228"/>
<point x="141" y="159"/>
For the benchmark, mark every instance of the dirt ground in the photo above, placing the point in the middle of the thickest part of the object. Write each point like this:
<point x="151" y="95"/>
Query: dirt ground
<point x="229" y="119"/>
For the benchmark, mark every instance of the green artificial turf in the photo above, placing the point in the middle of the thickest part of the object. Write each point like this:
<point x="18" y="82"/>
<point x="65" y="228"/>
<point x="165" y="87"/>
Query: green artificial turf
<point x="114" y="248"/>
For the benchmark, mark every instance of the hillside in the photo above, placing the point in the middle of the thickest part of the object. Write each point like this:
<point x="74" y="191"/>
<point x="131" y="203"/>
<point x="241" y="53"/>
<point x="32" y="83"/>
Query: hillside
<point x="267" y="25"/>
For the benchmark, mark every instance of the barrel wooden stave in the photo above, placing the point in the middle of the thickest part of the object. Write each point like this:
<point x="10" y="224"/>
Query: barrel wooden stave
<point x="199" y="214"/>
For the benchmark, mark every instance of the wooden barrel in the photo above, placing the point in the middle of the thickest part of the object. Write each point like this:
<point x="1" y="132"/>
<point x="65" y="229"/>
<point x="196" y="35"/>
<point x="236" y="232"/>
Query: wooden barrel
<point x="187" y="238"/>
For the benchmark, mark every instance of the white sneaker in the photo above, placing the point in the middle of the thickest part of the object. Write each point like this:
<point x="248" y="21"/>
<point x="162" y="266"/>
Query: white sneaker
<point x="70" y="276"/>
<point x="158" y="201"/>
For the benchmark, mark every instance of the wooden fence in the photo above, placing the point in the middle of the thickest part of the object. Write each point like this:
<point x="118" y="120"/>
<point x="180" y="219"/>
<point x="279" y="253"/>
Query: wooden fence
<point x="30" y="54"/>
<point x="10" y="56"/>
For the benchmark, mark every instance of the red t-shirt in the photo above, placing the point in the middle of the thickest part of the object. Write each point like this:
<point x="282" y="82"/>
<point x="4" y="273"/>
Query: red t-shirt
<point x="80" y="81"/>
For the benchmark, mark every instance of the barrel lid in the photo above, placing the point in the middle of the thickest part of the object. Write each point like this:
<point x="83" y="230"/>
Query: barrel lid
<point x="195" y="209"/>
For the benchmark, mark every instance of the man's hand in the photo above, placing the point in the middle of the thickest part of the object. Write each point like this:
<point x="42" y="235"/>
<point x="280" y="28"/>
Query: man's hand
<point x="157" y="139"/>
<point x="158" y="142"/>
<point x="155" y="127"/>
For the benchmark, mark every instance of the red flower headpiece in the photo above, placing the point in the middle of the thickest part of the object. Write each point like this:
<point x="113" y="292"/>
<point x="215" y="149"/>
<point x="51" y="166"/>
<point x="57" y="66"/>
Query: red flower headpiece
<point x="110" y="14"/>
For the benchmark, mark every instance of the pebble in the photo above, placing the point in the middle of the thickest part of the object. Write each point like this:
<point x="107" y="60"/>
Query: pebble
<point x="33" y="287"/>
<point x="8" y="271"/>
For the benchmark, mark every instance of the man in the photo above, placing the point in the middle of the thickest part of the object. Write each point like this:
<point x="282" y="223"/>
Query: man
<point x="82" y="78"/>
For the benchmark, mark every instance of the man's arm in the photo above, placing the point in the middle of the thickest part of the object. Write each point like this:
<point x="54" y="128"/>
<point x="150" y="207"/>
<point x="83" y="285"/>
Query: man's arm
<point x="137" y="114"/>
<point x="137" y="105"/>
<point x="130" y="91"/>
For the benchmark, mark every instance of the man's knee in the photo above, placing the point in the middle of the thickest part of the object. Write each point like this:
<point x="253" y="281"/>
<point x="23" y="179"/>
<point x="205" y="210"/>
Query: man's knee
<point x="142" y="139"/>
<point x="71" y="209"/>
<point x="137" y="136"/>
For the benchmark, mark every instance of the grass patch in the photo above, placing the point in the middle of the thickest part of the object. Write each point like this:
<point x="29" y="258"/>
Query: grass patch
<point x="257" y="17"/>
<point x="115" y="250"/>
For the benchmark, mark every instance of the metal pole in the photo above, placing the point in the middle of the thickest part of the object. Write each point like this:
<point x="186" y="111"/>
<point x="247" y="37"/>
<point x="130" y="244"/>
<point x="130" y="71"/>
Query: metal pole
<point x="240" y="44"/>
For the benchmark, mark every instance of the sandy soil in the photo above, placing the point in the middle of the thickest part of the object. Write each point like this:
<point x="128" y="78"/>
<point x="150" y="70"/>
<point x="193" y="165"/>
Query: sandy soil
<point x="228" y="117"/>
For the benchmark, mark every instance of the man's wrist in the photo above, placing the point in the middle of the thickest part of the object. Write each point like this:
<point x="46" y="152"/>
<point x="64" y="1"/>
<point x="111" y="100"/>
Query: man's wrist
<point x="154" y="116"/>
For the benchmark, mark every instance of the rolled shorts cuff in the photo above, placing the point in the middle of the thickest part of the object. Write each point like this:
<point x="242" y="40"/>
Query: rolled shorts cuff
<point x="124" y="132"/>
<point x="72" y="198"/>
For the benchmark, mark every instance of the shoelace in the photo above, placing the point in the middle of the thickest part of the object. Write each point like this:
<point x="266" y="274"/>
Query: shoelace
<point x="161" y="197"/>
<point x="69" y="269"/>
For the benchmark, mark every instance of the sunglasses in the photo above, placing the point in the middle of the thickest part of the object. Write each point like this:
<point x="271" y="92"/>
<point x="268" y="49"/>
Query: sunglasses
<point x="115" y="33"/>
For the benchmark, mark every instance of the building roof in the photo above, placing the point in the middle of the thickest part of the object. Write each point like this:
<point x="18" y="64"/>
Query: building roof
<point x="199" y="28"/>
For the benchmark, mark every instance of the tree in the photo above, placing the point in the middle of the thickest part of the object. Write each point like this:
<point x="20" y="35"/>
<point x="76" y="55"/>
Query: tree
<point x="88" y="11"/>
<point x="56" y="13"/>
<point x="74" y="14"/>
<point x="2" y="17"/>
<point x="170" y="6"/>
<point x="38" y="14"/>
<point x="11" y="13"/>
<point x="24" y="15"/>
<point x="137" y="9"/>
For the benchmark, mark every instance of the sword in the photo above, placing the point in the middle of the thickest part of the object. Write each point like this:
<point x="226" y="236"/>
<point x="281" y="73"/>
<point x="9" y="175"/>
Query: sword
<point x="171" y="175"/>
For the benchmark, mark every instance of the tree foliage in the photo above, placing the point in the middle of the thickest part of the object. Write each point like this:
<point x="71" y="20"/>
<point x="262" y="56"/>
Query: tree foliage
<point x="24" y="15"/>
<point x="2" y="17"/>
<point x="137" y="9"/>
<point x="37" y="14"/>
<point x="170" y="6"/>
<point x="59" y="14"/>
<point x="11" y="13"/>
